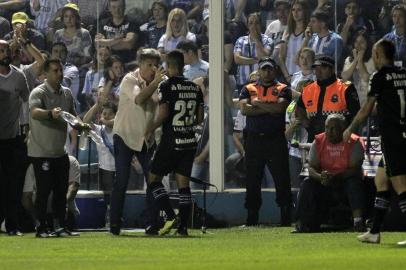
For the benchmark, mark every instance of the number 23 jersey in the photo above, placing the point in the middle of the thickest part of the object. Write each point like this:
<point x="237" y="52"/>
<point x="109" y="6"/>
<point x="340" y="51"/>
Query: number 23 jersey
<point x="388" y="85"/>
<point x="183" y="98"/>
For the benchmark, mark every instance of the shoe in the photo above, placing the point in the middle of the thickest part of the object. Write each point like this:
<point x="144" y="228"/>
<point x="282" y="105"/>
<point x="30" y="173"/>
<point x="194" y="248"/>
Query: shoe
<point x="151" y="230"/>
<point x="182" y="231"/>
<point x="43" y="234"/>
<point x="252" y="218"/>
<point x="15" y="233"/>
<point x="373" y="238"/>
<point x="63" y="232"/>
<point x="169" y="224"/>
<point x="402" y="243"/>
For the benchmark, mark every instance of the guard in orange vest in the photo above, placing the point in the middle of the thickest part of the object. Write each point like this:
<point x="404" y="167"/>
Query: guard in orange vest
<point x="327" y="95"/>
<point x="335" y="171"/>
<point x="264" y="103"/>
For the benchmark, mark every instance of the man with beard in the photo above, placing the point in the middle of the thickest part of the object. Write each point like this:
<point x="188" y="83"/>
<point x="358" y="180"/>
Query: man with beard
<point x="13" y="91"/>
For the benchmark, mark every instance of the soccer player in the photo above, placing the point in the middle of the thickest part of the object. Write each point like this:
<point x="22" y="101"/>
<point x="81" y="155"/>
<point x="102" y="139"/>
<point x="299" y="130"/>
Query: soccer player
<point x="387" y="89"/>
<point x="180" y="110"/>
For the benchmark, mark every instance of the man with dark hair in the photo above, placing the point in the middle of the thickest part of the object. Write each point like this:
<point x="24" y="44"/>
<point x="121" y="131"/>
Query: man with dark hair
<point x="118" y="32"/>
<point x="325" y="96"/>
<point x="13" y="91"/>
<point x="321" y="39"/>
<point x="180" y="110"/>
<point x="46" y="145"/>
<point x="136" y="110"/>
<point x="264" y="103"/>
<point x="195" y="67"/>
<point x="335" y="171"/>
<point x="387" y="92"/>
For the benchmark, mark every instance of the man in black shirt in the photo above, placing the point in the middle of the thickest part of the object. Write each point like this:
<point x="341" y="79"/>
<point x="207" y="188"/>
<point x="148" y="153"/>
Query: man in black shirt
<point x="180" y="110"/>
<point x="387" y="90"/>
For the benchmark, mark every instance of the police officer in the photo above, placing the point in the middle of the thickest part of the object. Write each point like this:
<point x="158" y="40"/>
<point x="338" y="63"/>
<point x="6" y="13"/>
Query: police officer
<point x="328" y="95"/>
<point x="264" y="103"/>
<point x="387" y="90"/>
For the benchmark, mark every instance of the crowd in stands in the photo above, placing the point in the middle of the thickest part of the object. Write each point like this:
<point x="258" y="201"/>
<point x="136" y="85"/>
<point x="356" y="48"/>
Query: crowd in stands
<point x="99" y="43"/>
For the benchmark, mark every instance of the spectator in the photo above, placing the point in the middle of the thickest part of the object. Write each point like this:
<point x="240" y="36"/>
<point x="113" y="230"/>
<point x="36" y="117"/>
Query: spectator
<point x="118" y="32"/>
<point x="248" y="49"/>
<point x="94" y="74"/>
<point x="194" y="66"/>
<point x="353" y="22"/>
<point x="276" y="28"/>
<point x="46" y="142"/>
<point x="136" y="110"/>
<point x="30" y="190"/>
<point x="264" y="103"/>
<point x="202" y="39"/>
<point x="335" y="167"/>
<point x="295" y="134"/>
<point x="109" y="85"/>
<point x="155" y="29"/>
<point x="192" y="8"/>
<point x="20" y="23"/>
<point x="77" y="39"/>
<point x="306" y="59"/>
<point x="45" y="12"/>
<point x="70" y="71"/>
<point x="321" y="39"/>
<point x="359" y="66"/>
<point x="292" y="39"/>
<point x="14" y="90"/>
<point x="105" y="151"/>
<point x="335" y="97"/>
<point x="176" y="30"/>
<point x="397" y="36"/>
<point x="90" y="11"/>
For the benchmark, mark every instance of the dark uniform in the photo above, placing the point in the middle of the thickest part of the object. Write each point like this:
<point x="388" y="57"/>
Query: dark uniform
<point x="388" y="86"/>
<point x="266" y="144"/>
<point x="322" y="98"/>
<point x="177" y="148"/>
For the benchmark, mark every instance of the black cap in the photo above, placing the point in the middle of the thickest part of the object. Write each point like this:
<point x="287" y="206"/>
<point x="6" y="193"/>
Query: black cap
<point x="323" y="60"/>
<point x="268" y="61"/>
<point x="281" y="2"/>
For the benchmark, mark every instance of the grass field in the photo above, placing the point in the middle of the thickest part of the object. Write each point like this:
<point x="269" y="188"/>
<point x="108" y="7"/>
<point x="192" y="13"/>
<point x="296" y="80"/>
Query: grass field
<point x="258" y="248"/>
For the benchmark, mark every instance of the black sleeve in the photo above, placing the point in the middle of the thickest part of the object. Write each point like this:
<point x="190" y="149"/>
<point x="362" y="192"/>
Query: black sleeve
<point x="244" y="93"/>
<point x="375" y="85"/>
<point x="352" y="100"/>
<point x="163" y="93"/>
<point x="300" y="103"/>
<point x="286" y="93"/>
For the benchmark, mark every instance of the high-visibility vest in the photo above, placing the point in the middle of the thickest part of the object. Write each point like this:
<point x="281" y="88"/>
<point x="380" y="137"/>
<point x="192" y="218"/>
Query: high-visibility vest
<point x="269" y="94"/>
<point x="334" y="158"/>
<point x="334" y="98"/>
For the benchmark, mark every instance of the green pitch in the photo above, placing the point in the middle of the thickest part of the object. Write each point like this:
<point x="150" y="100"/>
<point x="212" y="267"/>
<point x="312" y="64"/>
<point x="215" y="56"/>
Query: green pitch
<point x="259" y="248"/>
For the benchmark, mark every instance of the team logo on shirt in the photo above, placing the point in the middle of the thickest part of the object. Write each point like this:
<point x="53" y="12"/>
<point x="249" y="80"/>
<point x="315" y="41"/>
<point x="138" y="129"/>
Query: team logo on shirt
<point x="309" y="103"/>
<point x="45" y="165"/>
<point x="334" y="98"/>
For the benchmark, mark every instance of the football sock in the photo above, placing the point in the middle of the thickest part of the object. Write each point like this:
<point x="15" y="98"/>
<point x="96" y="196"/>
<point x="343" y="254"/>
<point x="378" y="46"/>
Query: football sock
<point x="380" y="208"/>
<point x="185" y="202"/>
<point x="161" y="198"/>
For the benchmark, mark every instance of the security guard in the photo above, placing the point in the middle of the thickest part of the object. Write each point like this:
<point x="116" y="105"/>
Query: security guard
<point x="328" y="95"/>
<point x="264" y="103"/>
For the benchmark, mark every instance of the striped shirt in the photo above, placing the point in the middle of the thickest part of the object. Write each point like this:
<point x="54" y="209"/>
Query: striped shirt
<point x="247" y="48"/>
<point x="293" y="46"/>
<point x="331" y="45"/>
<point x="46" y="12"/>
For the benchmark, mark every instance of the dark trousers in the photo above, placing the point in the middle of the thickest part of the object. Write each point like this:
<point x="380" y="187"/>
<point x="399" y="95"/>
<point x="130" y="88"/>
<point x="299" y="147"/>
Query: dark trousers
<point x="51" y="174"/>
<point x="9" y="186"/>
<point x="266" y="150"/>
<point x="123" y="156"/>
<point x="314" y="199"/>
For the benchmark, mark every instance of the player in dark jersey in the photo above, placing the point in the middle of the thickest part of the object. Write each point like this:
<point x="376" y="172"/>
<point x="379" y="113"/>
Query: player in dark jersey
<point x="180" y="111"/>
<point x="387" y="90"/>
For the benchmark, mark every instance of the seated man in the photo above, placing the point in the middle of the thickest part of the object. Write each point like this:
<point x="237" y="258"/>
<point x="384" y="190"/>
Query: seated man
<point x="335" y="168"/>
<point x="30" y="188"/>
